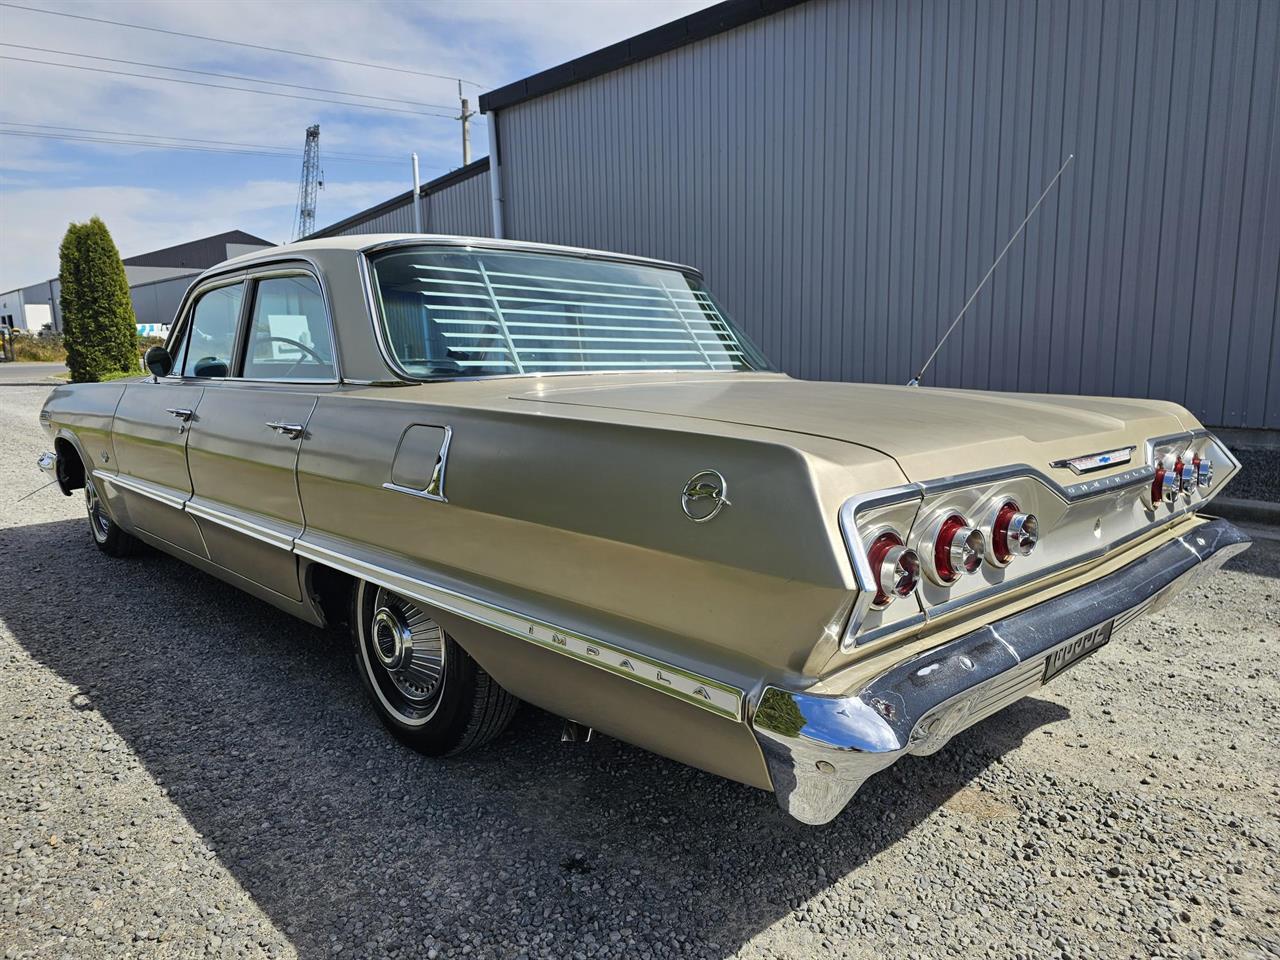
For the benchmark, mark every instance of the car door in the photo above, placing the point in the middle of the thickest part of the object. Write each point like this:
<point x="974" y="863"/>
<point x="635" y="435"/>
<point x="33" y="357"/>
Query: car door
<point x="243" y="447"/>
<point x="154" y="418"/>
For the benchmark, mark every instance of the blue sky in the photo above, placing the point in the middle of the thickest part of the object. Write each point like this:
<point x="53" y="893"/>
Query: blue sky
<point x="154" y="198"/>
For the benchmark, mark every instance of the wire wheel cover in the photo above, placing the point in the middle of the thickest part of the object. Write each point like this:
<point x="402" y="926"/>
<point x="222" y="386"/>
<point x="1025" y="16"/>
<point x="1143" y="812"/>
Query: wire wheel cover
<point x="97" y="516"/>
<point x="407" y="647"/>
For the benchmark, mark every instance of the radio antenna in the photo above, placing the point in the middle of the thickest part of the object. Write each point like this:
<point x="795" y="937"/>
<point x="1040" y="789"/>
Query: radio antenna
<point x="915" y="381"/>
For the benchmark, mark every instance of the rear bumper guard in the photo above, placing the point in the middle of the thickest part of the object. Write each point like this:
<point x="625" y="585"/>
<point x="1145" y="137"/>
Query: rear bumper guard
<point x="821" y="749"/>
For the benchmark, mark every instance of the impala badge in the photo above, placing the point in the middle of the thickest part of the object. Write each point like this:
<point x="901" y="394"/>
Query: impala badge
<point x="1096" y="461"/>
<point x="704" y="495"/>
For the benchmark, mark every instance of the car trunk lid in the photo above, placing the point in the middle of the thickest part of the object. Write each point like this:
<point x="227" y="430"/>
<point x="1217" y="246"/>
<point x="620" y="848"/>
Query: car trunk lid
<point x="930" y="432"/>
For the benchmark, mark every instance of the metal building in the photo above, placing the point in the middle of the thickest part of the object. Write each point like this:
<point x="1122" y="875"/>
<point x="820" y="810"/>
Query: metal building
<point x="157" y="282"/>
<point x="456" y="203"/>
<point x="845" y="171"/>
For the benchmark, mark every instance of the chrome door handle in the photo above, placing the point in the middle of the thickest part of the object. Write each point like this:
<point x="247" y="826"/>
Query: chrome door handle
<point x="293" y="431"/>
<point x="181" y="413"/>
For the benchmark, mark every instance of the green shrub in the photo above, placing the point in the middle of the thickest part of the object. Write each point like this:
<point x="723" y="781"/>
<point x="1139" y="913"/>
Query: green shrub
<point x="98" y="324"/>
<point x="146" y="343"/>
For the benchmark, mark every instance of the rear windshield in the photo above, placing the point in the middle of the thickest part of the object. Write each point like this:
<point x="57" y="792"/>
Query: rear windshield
<point x="457" y="312"/>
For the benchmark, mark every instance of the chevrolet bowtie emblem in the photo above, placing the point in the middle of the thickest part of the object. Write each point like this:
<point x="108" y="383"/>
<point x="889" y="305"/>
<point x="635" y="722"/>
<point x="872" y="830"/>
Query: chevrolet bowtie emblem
<point x="1096" y="461"/>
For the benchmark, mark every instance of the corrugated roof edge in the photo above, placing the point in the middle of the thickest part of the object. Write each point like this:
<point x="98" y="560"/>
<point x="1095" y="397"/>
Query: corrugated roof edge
<point x="474" y="168"/>
<point x="696" y="26"/>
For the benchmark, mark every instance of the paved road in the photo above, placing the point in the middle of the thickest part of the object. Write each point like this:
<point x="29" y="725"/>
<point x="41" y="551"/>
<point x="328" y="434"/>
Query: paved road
<point x="22" y="372"/>
<point x="186" y="772"/>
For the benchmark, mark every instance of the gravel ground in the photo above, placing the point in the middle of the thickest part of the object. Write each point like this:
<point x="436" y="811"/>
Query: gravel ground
<point x="186" y="772"/>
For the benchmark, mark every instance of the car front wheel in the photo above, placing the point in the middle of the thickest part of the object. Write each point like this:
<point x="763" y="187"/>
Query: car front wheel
<point x="107" y="534"/>
<point x="425" y="688"/>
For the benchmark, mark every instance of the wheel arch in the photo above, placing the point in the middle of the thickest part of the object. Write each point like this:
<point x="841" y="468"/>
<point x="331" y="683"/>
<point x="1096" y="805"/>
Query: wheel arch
<point x="72" y="463"/>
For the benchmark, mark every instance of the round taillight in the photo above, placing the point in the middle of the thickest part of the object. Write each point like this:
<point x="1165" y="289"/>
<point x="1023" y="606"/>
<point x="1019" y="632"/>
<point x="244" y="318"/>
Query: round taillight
<point x="957" y="550"/>
<point x="1204" y="471"/>
<point x="896" y="569"/>
<point x="1187" y="476"/>
<point x="1014" y="533"/>
<point x="1172" y="482"/>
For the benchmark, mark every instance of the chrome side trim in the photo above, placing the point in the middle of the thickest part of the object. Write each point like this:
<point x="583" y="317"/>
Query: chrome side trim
<point x="143" y="488"/>
<point x="248" y="528"/>
<point x="719" y="698"/>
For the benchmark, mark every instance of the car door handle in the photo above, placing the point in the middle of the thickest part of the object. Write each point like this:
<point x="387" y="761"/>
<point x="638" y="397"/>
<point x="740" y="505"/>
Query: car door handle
<point x="293" y="431"/>
<point x="182" y="413"/>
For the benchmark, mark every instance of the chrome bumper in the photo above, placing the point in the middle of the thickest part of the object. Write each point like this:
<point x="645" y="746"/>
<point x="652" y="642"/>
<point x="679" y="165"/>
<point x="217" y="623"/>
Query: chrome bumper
<point x="48" y="462"/>
<point x="821" y="749"/>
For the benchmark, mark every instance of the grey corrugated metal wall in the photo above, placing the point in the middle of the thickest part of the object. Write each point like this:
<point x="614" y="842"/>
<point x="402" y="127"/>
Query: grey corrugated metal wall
<point x="846" y="171"/>
<point x="157" y="301"/>
<point x="461" y="208"/>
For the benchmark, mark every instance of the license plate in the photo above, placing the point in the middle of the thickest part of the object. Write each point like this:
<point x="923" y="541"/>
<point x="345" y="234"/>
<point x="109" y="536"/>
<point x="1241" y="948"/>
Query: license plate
<point x="1075" y="651"/>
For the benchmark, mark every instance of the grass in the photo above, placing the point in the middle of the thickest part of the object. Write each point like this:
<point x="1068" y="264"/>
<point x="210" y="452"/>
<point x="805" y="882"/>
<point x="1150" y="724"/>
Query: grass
<point x="39" y="349"/>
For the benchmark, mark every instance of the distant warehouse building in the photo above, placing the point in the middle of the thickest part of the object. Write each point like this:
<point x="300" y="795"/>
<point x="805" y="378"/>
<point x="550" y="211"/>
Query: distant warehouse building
<point x="157" y="282"/>
<point x="845" y="172"/>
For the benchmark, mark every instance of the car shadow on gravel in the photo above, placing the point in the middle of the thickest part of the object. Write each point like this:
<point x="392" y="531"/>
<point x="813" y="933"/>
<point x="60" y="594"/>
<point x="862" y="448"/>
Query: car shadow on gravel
<point x="255" y="726"/>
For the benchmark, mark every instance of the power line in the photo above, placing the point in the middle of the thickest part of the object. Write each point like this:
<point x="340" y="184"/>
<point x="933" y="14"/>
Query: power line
<point x="236" y="43"/>
<point x="226" y="76"/>
<point x="225" y="143"/>
<point x="221" y="86"/>
<point x="231" y="143"/>
<point x="152" y="145"/>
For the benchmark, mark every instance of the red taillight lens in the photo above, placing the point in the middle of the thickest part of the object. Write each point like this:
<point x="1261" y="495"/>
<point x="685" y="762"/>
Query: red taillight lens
<point x="1157" y="485"/>
<point x="896" y="569"/>
<point x="957" y="550"/>
<point x="1014" y="533"/>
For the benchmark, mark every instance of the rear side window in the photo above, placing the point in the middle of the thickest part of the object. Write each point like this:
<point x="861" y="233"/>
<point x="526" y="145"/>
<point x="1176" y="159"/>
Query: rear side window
<point x="213" y="332"/>
<point x="289" y="332"/>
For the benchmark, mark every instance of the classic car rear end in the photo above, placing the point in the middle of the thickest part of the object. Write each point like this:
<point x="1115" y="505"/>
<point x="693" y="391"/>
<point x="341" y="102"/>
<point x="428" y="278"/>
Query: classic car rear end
<point x="565" y="477"/>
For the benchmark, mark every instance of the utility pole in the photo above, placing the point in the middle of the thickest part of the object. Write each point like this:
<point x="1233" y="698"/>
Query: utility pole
<point x="310" y="181"/>
<point x="417" y="201"/>
<point x="467" y="114"/>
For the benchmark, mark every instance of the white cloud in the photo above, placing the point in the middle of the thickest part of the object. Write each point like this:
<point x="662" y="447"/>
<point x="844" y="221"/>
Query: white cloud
<point x="143" y="218"/>
<point x="46" y="184"/>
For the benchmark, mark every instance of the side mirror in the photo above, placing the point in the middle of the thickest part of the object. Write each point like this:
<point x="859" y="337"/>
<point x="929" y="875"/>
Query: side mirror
<point x="158" y="361"/>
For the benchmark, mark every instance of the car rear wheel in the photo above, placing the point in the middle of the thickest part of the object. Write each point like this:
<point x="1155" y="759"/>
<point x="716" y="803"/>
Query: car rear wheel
<point x="425" y="688"/>
<point x="107" y="534"/>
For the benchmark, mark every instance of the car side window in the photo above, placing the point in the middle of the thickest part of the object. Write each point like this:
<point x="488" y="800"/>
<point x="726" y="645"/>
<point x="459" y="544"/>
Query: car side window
<point x="289" y="331"/>
<point x="213" y="332"/>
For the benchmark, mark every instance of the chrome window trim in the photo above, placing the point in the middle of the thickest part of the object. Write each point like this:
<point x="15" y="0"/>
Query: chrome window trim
<point x="1072" y="493"/>
<point x="711" y="695"/>
<point x="182" y="322"/>
<point x="508" y="246"/>
<point x="243" y="273"/>
<point x="255" y="276"/>
<point x="374" y="306"/>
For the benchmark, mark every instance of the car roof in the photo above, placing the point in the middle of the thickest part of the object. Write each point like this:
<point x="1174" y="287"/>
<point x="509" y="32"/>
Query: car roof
<point x="371" y="241"/>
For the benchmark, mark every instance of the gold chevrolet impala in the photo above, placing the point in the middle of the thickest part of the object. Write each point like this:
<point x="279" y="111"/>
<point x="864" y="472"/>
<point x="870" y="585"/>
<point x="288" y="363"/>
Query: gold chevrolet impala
<point x="525" y="472"/>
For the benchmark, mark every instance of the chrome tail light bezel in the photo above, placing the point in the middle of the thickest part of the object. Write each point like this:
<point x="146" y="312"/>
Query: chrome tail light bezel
<point x="951" y="548"/>
<point x="1006" y="520"/>
<point x="895" y="567"/>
